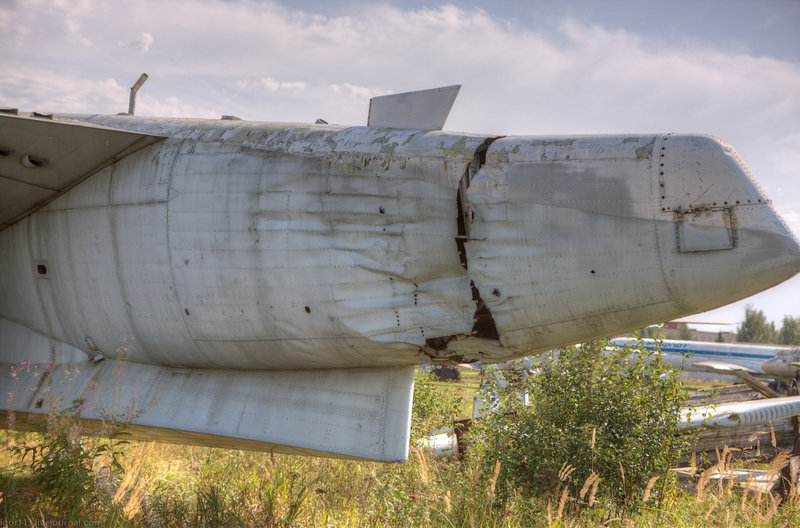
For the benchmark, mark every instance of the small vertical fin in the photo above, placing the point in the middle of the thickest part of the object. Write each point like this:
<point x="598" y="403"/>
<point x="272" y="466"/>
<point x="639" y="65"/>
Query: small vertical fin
<point x="424" y="109"/>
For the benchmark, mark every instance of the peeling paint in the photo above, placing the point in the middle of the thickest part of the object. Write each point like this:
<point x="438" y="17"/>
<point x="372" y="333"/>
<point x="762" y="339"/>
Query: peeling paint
<point x="645" y="152"/>
<point x="388" y="149"/>
<point x="315" y="194"/>
<point x="559" y="143"/>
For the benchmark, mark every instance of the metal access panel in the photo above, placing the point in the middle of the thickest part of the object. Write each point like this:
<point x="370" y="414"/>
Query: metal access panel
<point x="710" y="230"/>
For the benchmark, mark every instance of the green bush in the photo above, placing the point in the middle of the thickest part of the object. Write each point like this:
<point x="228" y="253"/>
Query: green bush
<point x="603" y="411"/>
<point x="432" y="407"/>
<point x="61" y="460"/>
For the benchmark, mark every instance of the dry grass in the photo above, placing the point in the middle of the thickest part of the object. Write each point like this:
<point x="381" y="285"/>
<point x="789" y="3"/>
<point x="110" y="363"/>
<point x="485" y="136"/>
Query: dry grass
<point x="174" y="485"/>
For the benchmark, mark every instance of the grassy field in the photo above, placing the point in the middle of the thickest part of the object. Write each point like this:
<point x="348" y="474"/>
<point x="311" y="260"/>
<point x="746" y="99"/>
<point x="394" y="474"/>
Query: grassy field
<point x="465" y="389"/>
<point x="175" y="485"/>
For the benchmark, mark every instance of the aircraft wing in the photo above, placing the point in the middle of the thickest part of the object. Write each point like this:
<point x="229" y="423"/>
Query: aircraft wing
<point x="361" y="413"/>
<point x="740" y="413"/>
<point x="41" y="158"/>
<point x="721" y="367"/>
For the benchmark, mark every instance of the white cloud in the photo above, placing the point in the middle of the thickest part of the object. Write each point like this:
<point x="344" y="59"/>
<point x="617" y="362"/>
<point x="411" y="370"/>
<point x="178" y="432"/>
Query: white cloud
<point x="575" y="78"/>
<point x="74" y="33"/>
<point x="261" y="60"/>
<point x="57" y="92"/>
<point x="271" y="85"/>
<point x="360" y="93"/>
<point x="143" y="42"/>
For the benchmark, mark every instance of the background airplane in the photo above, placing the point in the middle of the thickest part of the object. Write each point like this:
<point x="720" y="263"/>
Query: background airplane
<point x="770" y="361"/>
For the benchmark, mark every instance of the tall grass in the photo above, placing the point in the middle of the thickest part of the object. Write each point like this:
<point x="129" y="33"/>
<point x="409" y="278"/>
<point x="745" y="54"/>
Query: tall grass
<point x="174" y="485"/>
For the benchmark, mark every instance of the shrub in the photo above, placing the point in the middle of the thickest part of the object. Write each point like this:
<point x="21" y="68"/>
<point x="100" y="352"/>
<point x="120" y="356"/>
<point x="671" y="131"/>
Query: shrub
<point x="61" y="461"/>
<point x="595" y="410"/>
<point x="432" y="408"/>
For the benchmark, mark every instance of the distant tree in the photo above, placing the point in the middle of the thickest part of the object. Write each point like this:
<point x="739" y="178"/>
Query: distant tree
<point x="685" y="332"/>
<point x="790" y="331"/>
<point x="720" y="339"/>
<point x="755" y="328"/>
<point x="648" y="332"/>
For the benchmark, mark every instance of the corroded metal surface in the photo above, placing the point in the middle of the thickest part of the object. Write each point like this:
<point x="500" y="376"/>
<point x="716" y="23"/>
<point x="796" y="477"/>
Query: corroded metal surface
<point x="256" y="245"/>
<point x="578" y="237"/>
<point x="244" y="246"/>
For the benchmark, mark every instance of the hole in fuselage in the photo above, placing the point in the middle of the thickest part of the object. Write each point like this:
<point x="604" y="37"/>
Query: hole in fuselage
<point x="484" y="325"/>
<point x="33" y="162"/>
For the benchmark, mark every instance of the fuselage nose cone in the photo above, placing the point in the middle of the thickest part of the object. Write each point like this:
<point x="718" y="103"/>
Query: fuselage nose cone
<point x="727" y="241"/>
<point x="783" y="365"/>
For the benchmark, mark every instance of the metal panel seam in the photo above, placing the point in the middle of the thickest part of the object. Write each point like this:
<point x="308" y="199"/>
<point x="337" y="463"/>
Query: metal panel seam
<point x="654" y="193"/>
<point x="168" y="224"/>
<point x="137" y="336"/>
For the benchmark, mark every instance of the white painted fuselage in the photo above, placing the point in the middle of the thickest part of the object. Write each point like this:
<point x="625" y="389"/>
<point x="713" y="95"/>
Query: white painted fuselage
<point x="203" y="249"/>
<point x="773" y="361"/>
<point x="263" y="246"/>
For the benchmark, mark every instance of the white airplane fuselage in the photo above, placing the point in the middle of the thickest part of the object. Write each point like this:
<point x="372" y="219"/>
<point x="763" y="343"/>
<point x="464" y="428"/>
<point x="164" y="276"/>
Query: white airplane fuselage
<point x="775" y="361"/>
<point x="263" y="246"/>
<point x="273" y="285"/>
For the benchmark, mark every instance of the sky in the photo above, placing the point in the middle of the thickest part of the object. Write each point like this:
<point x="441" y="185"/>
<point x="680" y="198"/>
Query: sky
<point x="727" y="68"/>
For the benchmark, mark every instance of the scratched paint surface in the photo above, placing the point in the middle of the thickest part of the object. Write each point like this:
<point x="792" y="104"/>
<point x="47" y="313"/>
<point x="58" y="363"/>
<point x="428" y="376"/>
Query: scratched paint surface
<point x="579" y="237"/>
<point x="259" y="245"/>
<point x="256" y="247"/>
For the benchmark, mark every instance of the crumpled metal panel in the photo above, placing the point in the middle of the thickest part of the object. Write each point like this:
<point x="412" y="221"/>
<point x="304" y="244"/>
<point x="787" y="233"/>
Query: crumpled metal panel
<point x="261" y="245"/>
<point x="297" y="240"/>
<point x="257" y="245"/>
<point x="562" y="244"/>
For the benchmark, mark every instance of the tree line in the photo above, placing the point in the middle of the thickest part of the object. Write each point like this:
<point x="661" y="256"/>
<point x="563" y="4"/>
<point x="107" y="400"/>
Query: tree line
<point x="756" y="329"/>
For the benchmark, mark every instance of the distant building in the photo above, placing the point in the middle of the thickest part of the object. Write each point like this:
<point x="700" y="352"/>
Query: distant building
<point x="672" y="330"/>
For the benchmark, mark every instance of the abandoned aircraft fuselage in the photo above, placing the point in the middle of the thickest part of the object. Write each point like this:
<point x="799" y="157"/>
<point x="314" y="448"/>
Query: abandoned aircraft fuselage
<point x="347" y="255"/>
<point x="263" y="246"/>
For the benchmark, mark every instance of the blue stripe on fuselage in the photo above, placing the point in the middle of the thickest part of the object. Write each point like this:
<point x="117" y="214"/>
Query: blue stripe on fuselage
<point x="684" y="349"/>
